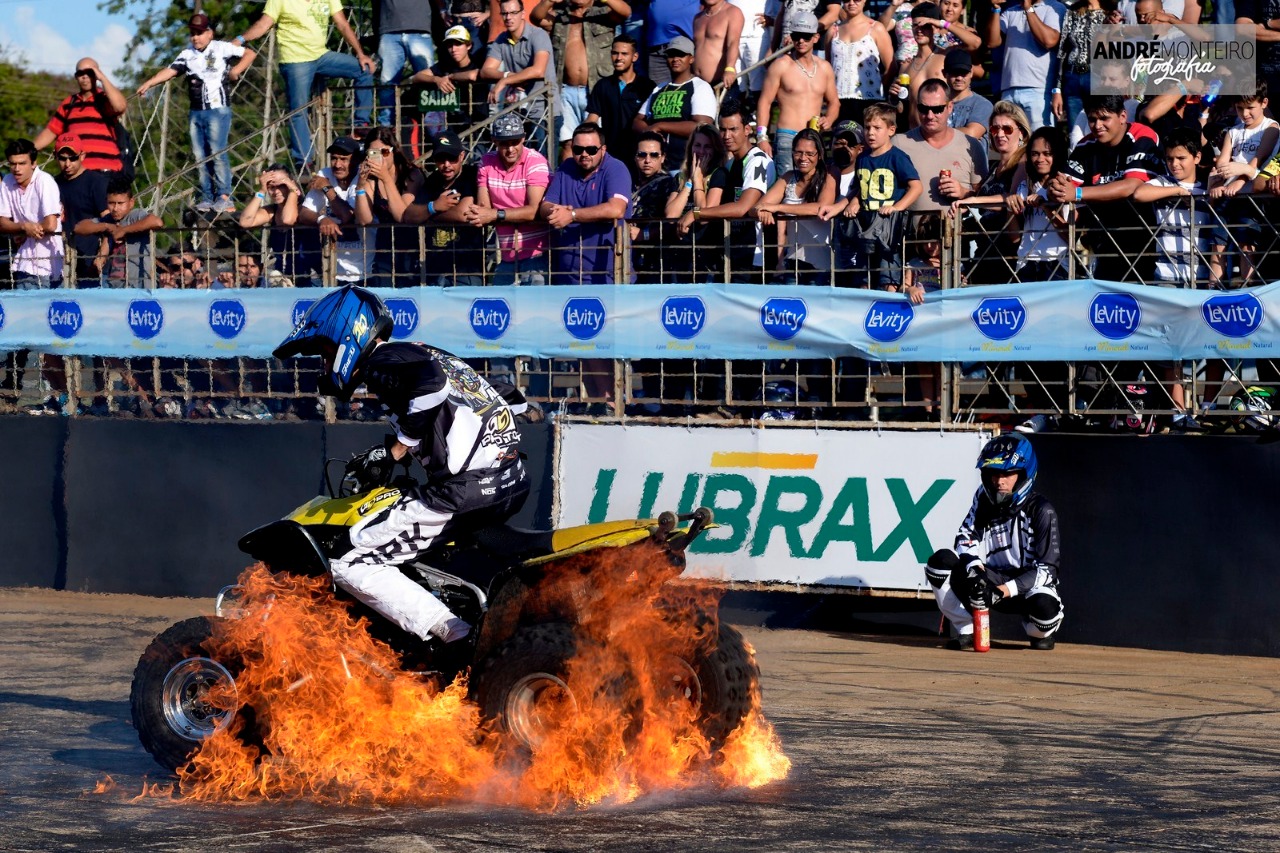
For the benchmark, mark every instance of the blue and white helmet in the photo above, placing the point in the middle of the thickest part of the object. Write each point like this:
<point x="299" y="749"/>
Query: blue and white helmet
<point x="1011" y="452"/>
<point x="342" y="328"/>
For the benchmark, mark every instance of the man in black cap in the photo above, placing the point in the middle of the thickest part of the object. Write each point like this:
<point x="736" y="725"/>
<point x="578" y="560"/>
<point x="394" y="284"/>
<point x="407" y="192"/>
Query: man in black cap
<point x="331" y="205"/>
<point x="676" y="109"/>
<point x="454" y="248"/>
<point x="970" y="112"/>
<point x="209" y="70"/>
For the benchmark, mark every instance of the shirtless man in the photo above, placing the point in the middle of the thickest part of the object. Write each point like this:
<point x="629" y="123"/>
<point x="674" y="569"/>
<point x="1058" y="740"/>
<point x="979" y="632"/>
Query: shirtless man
<point x="801" y="83"/>
<point x="717" y="38"/>
<point x="581" y="35"/>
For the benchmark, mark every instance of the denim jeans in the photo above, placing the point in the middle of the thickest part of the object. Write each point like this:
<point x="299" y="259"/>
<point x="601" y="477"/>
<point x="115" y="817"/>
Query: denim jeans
<point x="31" y="281"/>
<point x="573" y="111"/>
<point x="209" y="131"/>
<point x="1034" y="101"/>
<point x="1074" y="88"/>
<point x="393" y="50"/>
<point x="299" y="77"/>
<point x="523" y="271"/>
<point x="783" y="141"/>
<point x="1224" y="12"/>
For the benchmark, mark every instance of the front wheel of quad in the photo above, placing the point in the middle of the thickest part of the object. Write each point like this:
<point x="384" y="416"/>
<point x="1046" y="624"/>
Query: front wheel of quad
<point x="182" y="695"/>
<point x="524" y="684"/>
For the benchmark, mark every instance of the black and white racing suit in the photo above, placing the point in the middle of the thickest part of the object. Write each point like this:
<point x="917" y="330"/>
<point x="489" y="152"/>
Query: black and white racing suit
<point x="463" y="431"/>
<point x="1019" y="547"/>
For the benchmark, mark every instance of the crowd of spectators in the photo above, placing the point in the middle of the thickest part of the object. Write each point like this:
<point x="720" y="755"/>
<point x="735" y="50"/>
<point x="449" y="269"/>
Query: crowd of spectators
<point x="678" y="153"/>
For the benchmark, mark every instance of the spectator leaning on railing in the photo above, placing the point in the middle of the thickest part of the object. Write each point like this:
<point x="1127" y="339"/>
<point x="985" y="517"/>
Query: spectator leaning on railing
<point x="649" y="202"/>
<point x="450" y="94"/>
<point x="387" y="183"/>
<point x="124" y="237"/>
<point x="84" y="196"/>
<point x="951" y="164"/>
<point x="275" y="206"/>
<point x="330" y="204"/>
<point x="454" y="249"/>
<point x="510" y="185"/>
<point x="31" y="213"/>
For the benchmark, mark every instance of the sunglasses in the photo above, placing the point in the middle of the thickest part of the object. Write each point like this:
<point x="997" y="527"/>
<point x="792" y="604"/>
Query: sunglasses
<point x="803" y="36"/>
<point x="1001" y="129"/>
<point x="925" y="109"/>
<point x="69" y="158"/>
<point x="589" y="150"/>
<point x="85" y="72"/>
<point x="648" y="155"/>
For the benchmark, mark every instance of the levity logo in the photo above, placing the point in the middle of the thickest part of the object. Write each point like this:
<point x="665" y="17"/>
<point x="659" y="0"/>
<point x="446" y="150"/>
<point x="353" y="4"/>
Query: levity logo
<point x="788" y="500"/>
<point x="1000" y="318"/>
<point x="490" y="318"/>
<point x="300" y="309"/>
<point x="146" y="318"/>
<point x="887" y="321"/>
<point x="405" y="314"/>
<point x="684" y="316"/>
<point x="1235" y="315"/>
<point x="584" y="317"/>
<point x="65" y="318"/>
<point x="227" y="317"/>
<point x="1115" y="315"/>
<point x="782" y="317"/>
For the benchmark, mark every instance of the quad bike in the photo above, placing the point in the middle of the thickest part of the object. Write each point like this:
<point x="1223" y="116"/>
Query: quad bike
<point x="506" y="582"/>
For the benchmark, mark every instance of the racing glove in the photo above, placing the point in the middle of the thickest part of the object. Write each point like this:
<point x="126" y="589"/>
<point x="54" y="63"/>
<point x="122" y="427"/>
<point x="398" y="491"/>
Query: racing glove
<point x="373" y="468"/>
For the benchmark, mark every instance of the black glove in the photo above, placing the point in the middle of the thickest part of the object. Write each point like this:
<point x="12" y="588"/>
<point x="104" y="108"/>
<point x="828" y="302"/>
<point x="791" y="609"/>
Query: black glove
<point x="371" y="469"/>
<point x="974" y="588"/>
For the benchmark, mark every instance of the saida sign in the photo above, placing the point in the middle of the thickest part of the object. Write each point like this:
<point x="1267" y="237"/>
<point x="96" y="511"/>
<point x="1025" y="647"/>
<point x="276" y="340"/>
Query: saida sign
<point x="838" y="507"/>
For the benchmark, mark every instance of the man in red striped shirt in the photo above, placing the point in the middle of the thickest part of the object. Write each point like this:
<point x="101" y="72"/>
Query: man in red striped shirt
<point x="89" y="114"/>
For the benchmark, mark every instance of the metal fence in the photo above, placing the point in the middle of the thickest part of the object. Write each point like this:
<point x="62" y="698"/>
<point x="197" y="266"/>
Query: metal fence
<point x="1121" y="241"/>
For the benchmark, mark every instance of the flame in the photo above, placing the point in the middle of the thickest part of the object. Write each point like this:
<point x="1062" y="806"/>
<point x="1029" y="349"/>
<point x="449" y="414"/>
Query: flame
<point x="335" y="719"/>
<point x="105" y="785"/>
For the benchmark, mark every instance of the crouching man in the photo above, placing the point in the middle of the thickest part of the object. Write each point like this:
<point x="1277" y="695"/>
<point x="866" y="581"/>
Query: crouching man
<point x="1007" y="551"/>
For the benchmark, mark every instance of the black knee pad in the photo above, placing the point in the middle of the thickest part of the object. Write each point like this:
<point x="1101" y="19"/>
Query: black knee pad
<point x="1043" y="608"/>
<point x="940" y="566"/>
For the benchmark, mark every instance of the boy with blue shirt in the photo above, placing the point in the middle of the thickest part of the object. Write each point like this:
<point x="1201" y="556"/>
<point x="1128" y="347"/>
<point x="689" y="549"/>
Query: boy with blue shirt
<point x="886" y="183"/>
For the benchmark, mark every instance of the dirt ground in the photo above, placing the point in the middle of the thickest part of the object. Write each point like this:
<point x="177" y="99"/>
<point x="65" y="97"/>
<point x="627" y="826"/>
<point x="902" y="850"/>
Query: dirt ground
<point x="896" y="744"/>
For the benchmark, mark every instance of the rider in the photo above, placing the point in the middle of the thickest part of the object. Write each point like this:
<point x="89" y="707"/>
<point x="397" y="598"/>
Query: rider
<point x="1008" y="550"/>
<point x="460" y="427"/>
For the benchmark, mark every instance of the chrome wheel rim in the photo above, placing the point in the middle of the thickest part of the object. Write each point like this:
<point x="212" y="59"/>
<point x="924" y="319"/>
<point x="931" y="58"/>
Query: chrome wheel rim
<point x="184" y="697"/>
<point x="536" y="706"/>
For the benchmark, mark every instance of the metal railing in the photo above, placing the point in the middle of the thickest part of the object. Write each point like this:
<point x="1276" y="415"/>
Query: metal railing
<point x="848" y="389"/>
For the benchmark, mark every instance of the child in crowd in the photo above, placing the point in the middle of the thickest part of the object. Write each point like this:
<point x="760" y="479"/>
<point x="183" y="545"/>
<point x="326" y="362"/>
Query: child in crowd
<point x="1181" y="239"/>
<point x="1042" y="251"/>
<point x="1249" y="143"/>
<point x="124" y="244"/>
<point x="209" y="73"/>
<point x="887" y="184"/>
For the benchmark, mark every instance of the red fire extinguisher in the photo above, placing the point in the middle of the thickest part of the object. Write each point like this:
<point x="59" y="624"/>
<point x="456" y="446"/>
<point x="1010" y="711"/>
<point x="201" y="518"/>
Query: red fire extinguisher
<point x="982" y="630"/>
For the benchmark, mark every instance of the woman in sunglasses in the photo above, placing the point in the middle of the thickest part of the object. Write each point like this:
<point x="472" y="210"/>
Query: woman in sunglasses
<point x="804" y="245"/>
<point x="388" y="182"/>
<point x="705" y="154"/>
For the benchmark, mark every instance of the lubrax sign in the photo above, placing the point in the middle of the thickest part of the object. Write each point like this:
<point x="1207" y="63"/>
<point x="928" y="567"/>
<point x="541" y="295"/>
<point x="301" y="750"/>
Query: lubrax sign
<point x="810" y="506"/>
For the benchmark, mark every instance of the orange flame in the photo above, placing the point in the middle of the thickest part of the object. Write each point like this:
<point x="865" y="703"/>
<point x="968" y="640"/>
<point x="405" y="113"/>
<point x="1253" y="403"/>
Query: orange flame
<point x="335" y="719"/>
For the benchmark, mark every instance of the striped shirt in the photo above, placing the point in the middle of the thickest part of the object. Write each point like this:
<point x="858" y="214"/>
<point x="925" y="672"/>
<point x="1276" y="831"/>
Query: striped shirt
<point x="510" y="189"/>
<point x="82" y="114"/>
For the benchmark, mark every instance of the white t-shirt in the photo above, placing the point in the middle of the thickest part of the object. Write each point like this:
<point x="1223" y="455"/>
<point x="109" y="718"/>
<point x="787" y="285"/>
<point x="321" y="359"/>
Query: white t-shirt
<point x="208" y="73"/>
<point x="353" y="255"/>
<point x="1040" y="240"/>
<point x="1245" y="143"/>
<point x="1176" y="261"/>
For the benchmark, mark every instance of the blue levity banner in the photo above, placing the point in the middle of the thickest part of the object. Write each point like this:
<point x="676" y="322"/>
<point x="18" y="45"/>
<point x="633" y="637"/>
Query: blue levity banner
<point x="1075" y="321"/>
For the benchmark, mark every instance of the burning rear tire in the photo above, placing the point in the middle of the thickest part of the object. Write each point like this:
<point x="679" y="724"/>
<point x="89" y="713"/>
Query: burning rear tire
<point x="169" y="696"/>
<point x="727" y="677"/>
<point x="524" y="684"/>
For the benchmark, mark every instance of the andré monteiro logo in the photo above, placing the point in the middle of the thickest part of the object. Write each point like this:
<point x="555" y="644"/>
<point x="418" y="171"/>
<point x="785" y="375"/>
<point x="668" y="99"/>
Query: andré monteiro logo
<point x="405" y="314"/>
<point x="584" y="317"/>
<point x="300" y="309"/>
<point x="227" y="317"/>
<point x="684" y="316"/>
<point x="146" y="318"/>
<point x="65" y="318"/>
<point x="1149" y="59"/>
<point x="490" y="318"/>
<point x="1115" y="316"/>
<point x="782" y="317"/>
<point x="1000" y="318"/>
<point x="887" y="320"/>
<point x="1233" y="315"/>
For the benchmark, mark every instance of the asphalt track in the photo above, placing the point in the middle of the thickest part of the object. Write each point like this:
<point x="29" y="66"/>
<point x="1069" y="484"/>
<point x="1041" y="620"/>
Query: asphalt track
<point x="897" y="744"/>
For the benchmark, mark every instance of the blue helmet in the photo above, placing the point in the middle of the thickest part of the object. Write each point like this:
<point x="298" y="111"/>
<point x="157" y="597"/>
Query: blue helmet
<point x="342" y="328"/>
<point x="1011" y="452"/>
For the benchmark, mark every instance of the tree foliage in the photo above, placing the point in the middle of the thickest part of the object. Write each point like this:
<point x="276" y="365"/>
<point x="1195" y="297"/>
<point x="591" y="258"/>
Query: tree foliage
<point x="28" y="97"/>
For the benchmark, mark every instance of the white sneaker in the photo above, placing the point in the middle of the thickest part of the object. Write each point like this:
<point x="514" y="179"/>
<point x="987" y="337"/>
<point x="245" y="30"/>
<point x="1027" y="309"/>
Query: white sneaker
<point x="1033" y="424"/>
